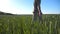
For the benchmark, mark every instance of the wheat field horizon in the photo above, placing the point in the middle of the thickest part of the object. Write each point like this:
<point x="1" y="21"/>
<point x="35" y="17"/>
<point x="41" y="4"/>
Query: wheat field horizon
<point x="21" y="24"/>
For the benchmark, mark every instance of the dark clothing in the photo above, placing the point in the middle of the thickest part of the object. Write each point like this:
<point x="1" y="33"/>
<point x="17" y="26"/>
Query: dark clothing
<point x="37" y="2"/>
<point x="37" y="6"/>
<point x="37" y="10"/>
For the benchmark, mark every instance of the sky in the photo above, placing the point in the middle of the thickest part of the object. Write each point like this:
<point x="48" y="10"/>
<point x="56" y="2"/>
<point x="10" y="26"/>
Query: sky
<point x="26" y="6"/>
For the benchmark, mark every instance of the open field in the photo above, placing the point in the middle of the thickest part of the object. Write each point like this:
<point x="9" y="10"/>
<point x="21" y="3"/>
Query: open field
<point x="22" y="24"/>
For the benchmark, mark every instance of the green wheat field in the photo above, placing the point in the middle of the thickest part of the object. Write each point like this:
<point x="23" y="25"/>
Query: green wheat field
<point x="22" y="24"/>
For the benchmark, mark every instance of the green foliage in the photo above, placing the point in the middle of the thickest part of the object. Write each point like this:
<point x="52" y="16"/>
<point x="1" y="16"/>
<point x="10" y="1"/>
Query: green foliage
<point x="22" y="24"/>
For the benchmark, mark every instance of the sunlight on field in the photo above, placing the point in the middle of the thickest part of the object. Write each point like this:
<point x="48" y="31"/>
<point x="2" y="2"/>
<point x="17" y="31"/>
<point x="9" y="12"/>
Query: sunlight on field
<point x="22" y="24"/>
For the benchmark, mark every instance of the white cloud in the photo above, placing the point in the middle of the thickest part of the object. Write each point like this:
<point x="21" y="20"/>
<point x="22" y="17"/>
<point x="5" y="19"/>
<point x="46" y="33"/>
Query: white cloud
<point x="6" y="6"/>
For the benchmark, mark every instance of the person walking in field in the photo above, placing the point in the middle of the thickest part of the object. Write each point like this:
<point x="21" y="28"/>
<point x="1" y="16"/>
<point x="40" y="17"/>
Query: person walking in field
<point x="37" y="10"/>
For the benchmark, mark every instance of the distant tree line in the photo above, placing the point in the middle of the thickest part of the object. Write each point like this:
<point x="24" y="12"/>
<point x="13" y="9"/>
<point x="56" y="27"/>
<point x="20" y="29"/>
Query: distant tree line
<point x="3" y="13"/>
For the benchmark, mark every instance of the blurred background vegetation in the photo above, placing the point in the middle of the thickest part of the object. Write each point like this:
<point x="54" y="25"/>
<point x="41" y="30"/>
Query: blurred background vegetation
<point x="22" y="24"/>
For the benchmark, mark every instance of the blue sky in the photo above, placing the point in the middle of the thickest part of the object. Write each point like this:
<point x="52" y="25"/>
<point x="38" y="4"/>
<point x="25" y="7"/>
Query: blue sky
<point x="26" y="6"/>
